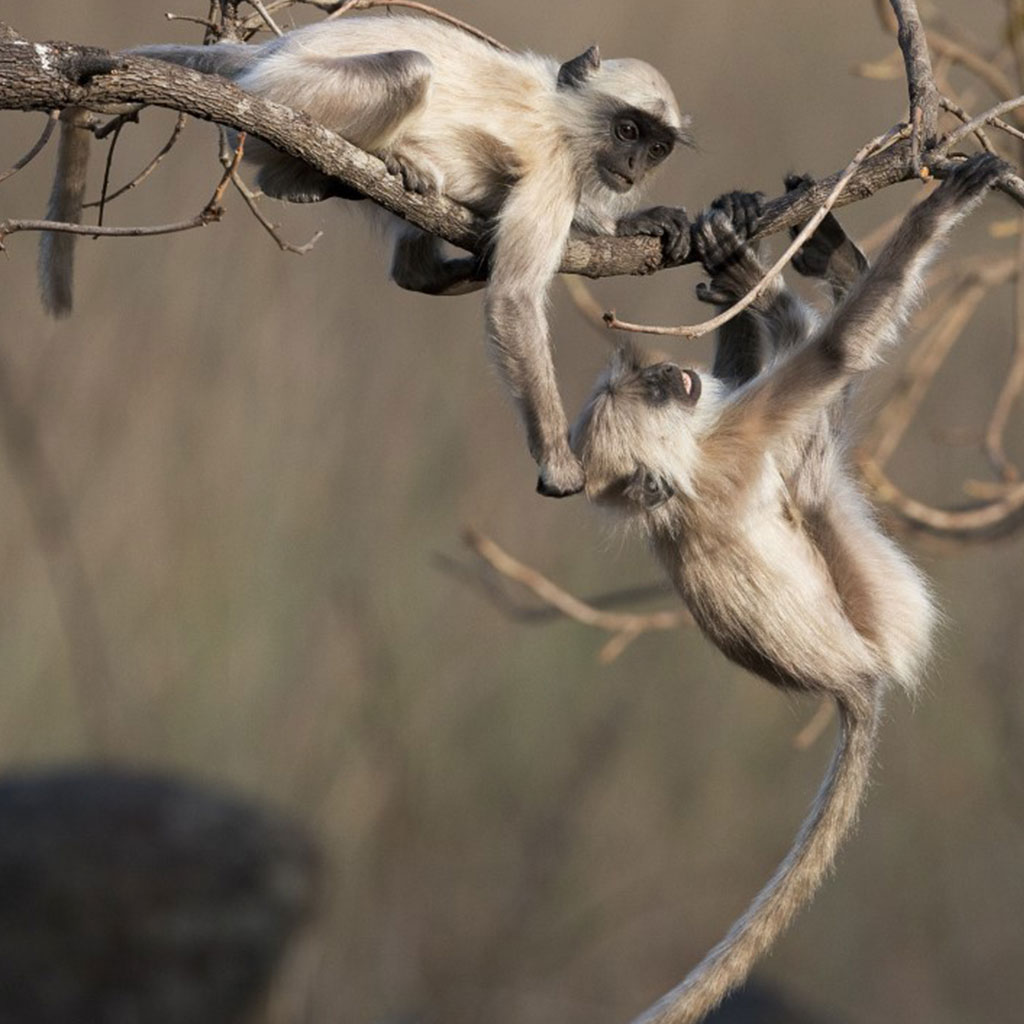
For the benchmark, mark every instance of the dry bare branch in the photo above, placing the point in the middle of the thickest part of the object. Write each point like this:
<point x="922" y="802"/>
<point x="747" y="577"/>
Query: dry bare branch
<point x="624" y="627"/>
<point x="56" y="75"/>
<point x="209" y="214"/>
<point x="1011" y="389"/>
<point x="179" y="126"/>
<point x="51" y="123"/>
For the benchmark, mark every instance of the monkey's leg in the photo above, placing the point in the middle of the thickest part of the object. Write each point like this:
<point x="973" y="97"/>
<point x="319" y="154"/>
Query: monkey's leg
<point x="872" y="314"/>
<point x="363" y="98"/>
<point x="801" y="387"/>
<point x="776" y="317"/>
<point x="829" y="254"/>
<point x="419" y="264"/>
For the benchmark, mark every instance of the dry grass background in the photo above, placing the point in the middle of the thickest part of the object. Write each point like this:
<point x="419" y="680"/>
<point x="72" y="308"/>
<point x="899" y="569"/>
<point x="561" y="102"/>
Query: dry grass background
<point x="262" y="455"/>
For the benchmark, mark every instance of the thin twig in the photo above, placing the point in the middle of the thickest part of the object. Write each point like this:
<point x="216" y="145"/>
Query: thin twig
<point x="251" y="200"/>
<point x="210" y="26"/>
<point x="265" y="15"/>
<point x="211" y="212"/>
<point x="954" y="108"/>
<point x="586" y="305"/>
<point x="876" y="145"/>
<point x="942" y="44"/>
<point x="624" y="626"/>
<point x="953" y="137"/>
<point x="179" y="126"/>
<point x="107" y="165"/>
<point x="51" y="123"/>
<point x="1011" y="389"/>
<point x="13" y="226"/>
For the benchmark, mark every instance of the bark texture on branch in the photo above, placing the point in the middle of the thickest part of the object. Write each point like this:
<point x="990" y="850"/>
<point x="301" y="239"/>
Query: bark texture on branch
<point x="52" y="75"/>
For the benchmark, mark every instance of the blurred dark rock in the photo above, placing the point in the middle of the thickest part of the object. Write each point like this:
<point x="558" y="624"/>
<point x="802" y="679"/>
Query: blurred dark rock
<point x="138" y="899"/>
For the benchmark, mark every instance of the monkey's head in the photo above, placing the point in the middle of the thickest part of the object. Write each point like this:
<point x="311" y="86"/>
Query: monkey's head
<point x="638" y="434"/>
<point x="628" y="114"/>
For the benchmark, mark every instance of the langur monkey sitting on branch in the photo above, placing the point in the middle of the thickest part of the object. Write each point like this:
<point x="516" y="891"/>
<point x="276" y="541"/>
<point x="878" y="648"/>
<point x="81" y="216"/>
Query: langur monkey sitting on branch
<point x="739" y="480"/>
<point x="542" y="148"/>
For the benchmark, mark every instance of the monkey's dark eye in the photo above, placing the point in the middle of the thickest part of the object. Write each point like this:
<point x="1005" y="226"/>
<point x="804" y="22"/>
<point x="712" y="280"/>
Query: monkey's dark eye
<point x="658" y="151"/>
<point x="627" y="131"/>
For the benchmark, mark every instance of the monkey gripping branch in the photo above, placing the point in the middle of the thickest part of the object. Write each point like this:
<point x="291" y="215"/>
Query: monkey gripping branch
<point x="56" y="75"/>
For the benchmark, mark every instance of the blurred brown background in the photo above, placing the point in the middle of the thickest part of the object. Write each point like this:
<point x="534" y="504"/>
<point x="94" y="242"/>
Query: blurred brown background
<point x="260" y="457"/>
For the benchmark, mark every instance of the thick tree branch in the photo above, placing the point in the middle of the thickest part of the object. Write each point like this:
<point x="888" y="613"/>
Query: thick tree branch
<point x="48" y="76"/>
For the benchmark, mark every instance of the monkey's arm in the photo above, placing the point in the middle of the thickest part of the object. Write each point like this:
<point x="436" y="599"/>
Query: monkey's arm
<point x="777" y="317"/>
<point x="789" y="395"/>
<point x="530" y="236"/>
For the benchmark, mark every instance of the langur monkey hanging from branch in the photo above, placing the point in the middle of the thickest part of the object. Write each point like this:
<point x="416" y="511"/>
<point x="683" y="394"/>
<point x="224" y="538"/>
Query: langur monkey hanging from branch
<point x="739" y="480"/>
<point x="544" y="149"/>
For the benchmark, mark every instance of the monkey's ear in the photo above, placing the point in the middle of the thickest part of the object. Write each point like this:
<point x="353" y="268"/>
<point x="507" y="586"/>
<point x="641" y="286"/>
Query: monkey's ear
<point x="647" y="489"/>
<point x="574" y="73"/>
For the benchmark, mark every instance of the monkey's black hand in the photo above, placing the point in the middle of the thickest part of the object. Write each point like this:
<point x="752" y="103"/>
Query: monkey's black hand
<point x="669" y="223"/>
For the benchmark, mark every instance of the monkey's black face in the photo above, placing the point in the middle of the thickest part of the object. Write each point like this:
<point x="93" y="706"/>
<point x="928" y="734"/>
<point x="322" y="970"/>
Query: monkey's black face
<point x="666" y="382"/>
<point x="637" y="143"/>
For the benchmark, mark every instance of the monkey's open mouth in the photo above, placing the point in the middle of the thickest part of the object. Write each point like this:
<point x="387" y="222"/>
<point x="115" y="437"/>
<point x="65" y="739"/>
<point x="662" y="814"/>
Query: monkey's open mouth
<point x="690" y="381"/>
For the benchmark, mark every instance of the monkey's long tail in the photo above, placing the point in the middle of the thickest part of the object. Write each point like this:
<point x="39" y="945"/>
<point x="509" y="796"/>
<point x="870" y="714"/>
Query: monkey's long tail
<point x="57" y="248"/>
<point x="832" y="815"/>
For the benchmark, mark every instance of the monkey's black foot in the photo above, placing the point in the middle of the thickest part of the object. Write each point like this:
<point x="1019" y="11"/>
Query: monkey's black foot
<point x="812" y="259"/>
<point x="560" y="477"/>
<point x="669" y="223"/>
<point x="972" y="178"/>
<point x="421" y="180"/>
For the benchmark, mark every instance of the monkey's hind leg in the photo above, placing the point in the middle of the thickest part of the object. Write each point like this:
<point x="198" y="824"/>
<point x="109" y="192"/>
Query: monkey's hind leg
<point x="364" y="98"/>
<point x="418" y="264"/>
<point x="775" y="321"/>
